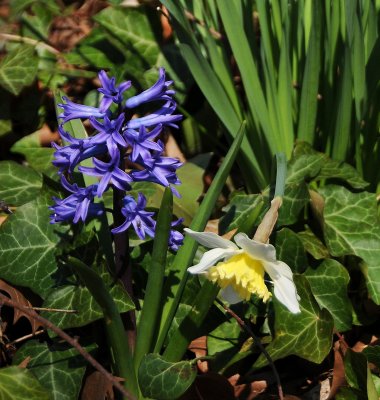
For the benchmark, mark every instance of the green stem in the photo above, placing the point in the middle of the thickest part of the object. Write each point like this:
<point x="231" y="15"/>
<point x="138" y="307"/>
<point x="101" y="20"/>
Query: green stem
<point x="186" y="253"/>
<point x="189" y="327"/>
<point x="280" y="175"/>
<point x="121" y="354"/>
<point x="150" y="314"/>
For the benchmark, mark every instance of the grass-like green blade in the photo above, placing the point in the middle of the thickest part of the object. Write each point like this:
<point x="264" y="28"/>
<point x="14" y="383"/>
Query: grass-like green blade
<point x="343" y="120"/>
<point x="120" y="351"/>
<point x="237" y="38"/>
<point x="150" y="314"/>
<point x="186" y="253"/>
<point x="308" y="102"/>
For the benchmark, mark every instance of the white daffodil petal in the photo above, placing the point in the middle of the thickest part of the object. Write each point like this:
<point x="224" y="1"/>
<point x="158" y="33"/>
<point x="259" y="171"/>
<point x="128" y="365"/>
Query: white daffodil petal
<point x="211" y="240"/>
<point x="209" y="259"/>
<point x="284" y="288"/>
<point x="257" y="250"/>
<point x="230" y="295"/>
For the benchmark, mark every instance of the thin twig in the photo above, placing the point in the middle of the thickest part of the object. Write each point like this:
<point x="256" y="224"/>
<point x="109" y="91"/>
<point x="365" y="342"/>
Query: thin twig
<point x="54" y="310"/>
<point x="73" y="342"/>
<point x="22" y="338"/>
<point x="33" y="42"/>
<point x="246" y="328"/>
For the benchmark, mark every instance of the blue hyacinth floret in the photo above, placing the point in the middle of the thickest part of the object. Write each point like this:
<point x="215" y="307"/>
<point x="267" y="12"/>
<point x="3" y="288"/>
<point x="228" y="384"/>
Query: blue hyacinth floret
<point x="123" y="150"/>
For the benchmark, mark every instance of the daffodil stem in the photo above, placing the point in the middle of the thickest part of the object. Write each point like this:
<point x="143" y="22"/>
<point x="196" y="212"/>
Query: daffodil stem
<point x="247" y="329"/>
<point x="186" y="253"/>
<point x="189" y="327"/>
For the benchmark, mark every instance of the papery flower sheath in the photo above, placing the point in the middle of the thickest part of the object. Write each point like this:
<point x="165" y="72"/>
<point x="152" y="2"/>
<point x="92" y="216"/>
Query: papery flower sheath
<point x="239" y="269"/>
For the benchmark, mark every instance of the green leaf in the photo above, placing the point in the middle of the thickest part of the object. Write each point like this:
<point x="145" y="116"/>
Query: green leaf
<point x="39" y="158"/>
<point x="163" y="380"/>
<point x="373" y="354"/>
<point x="18" y="69"/>
<point x="324" y="168"/>
<point x="313" y="245"/>
<point x="290" y="250"/>
<point x="358" y="374"/>
<point x="18" y="184"/>
<point x="224" y="337"/>
<point x="307" y="334"/>
<point x="19" y="383"/>
<point x="130" y="28"/>
<point x="242" y="210"/>
<point x="27" y="247"/>
<point x="332" y="293"/>
<point x="77" y="297"/>
<point x="351" y="227"/>
<point x="58" y="366"/>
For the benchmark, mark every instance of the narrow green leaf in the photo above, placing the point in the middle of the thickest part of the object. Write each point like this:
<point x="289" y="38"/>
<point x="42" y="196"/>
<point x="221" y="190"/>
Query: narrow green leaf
<point x="186" y="253"/>
<point x="163" y="380"/>
<point x="77" y="297"/>
<point x="341" y="137"/>
<point x="308" y="100"/>
<point x="152" y="308"/>
<point x="121" y="354"/>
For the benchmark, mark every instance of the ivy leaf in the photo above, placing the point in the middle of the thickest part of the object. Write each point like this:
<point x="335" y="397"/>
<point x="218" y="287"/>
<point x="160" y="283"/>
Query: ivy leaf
<point x="132" y="31"/>
<point x="373" y="354"/>
<point x="27" y="247"/>
<point x="39" y="158"/>
<point x="18" y="184"/>
<point x="163" y="380"/>
<point x="351" y="227"/>
<point x="58" y="367"/>
<point x="18" y="69"/>
<point x="332" y="293"/>
<point x="330" y="169"/>
<point x="313" y="245"/>
<point x="76" y="297"/>
<point x="19" y="383"/>
<point x="290" y="250"/>
<point x="241" y="208"/>
<point x="358" y="374"/>
<point x="307" y="335"/>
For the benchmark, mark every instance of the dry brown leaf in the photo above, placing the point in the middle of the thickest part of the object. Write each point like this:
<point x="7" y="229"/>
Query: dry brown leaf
<point x="24" y="363"/>
<point x="18" y="297"/>
<point x="247" y="391"/>
<point x="210" y="386"/>
<point x="172" y="149"/>
<point x="338" y="377"/>
<point x="199" y="348"/>
<point x="97" y="387"/>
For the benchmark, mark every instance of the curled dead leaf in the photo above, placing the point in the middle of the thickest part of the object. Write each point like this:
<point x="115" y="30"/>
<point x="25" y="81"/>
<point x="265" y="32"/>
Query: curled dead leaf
<point x="18" y="297"/>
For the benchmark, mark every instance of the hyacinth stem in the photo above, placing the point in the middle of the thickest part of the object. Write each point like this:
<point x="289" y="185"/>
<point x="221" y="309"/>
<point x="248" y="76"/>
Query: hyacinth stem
<point x="122" y="260"/>
<point x="186" y="253"/>
<point x="121" y="354"/>
<point x="152" y="308"/>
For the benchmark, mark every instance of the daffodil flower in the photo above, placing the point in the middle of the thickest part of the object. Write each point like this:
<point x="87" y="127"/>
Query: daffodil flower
<point x="239" y="269"/>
